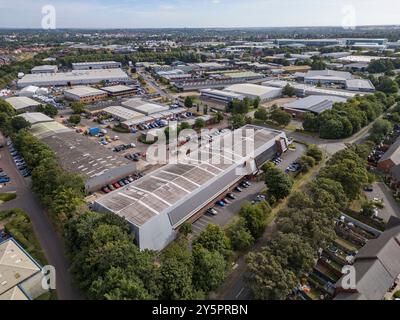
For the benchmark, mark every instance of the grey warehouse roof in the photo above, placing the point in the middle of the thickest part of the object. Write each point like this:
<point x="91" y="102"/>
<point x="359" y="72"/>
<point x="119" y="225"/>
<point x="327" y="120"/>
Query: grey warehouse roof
<point x="164" y="189"/>
<point x="20" y="103"/>
<point x="316" y="104"/>
<point x="81" y="155"/>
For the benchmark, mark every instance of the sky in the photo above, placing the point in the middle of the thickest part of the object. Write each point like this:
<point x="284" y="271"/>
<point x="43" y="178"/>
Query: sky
<point x="199" y="13"/>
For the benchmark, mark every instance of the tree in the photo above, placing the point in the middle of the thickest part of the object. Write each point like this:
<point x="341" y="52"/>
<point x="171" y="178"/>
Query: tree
<point x="176" y="272"/>
<point x="218" y="117"/>
<point x="289" y="91"/>
<point x="279" y="183"/>
<point x="268" y="280"/>
<point x="189" y="102"/>
<point x="380" y="129"/>
<point x="18" y="123"/>
<point x="119" y="284"/>
<point x="281" y="117"/>
<point x="333" y="187"/>
<point x="387" y="85"/>
<point x="199" y="123"/>
<point x="213" y="238"/>
<point x="349" y="173"/>
<point x="239" y="106"/>
<point x="306" y="163"/>
<point x="183" y="126"/>
<point x="256" y="102"/>
<point x="240" y="237"/>
<point x="78" y="107"/>
<point x="310" y="122"/>
<point x="210" y="269"/>
<point x="75" y="119"/>
<point x="237" y="121"/>
<point x="48" y="110"/>
<point x="292" y="252"/>
<point x="318" y="64"/>
<point x="314" y="225"/>
<point x="254" y="217"/>
<point x="332" y="129"/>
<point x="186" y="229"/>
<point x="261" y="114"/>
<point x="314" y="152"/>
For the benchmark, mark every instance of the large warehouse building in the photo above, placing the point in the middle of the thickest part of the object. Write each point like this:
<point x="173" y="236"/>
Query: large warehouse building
<point x="78" y="154"/>
<point x="77" y="77"/>
<point x="96" y="65"/>
<point x="85" y="94"/>
<point x="313" y="104"/>
<point x="144" y="107"/>
<point x="253" y="91"/>
<point x="160" y="202"/>
<point x="220" y="95"/>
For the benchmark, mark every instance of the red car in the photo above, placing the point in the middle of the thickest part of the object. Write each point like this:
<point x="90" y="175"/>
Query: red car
<point x="116" y="185"/>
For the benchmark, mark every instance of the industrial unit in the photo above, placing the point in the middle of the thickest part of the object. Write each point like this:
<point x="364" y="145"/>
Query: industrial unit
<point x="45" y="69"/>
<point x="253" y="91"/>
<point x="122" y="114"/>
<point x="78" y="77"/>
<point x="144" y="107"/>
<point x="314" y="104"/>
<point x="156" y="205"/>
<point x="85" y="94"/>
<point x="96" y="65"/>
<point x="363" y="85"/>
<point x="324" y="77"/>
<point x="23" y="104"/>
<point x="220" y="95"/>
<point x="305" y="89"/>
<point x="120" y="90"/>
<point x="76" y="153"/>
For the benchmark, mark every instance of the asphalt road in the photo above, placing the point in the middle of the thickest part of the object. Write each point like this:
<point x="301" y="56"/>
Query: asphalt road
<point x="49" y="240"/>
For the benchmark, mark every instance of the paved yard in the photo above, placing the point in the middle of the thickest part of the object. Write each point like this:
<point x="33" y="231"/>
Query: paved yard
<point x="381" y="191"/>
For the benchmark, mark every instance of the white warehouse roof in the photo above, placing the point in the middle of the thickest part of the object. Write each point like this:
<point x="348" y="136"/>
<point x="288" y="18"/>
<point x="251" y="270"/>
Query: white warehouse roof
<point x="75" y="77"/>
<point x="123" y="113"/>
<point x="36" y="117"/>
<point x="249" y="89"/>
<point x="21" y="103"/>
<point x="84" y="91"/>
<point x="147" y="108"/>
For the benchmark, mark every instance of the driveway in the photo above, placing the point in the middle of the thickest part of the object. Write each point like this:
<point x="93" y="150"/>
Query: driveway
<point x="48" y="238"/>
<point x="381" y="191"/>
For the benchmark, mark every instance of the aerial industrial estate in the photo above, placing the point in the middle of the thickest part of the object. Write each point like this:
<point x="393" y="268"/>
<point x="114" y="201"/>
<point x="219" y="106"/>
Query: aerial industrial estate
<point x="200" y="164"/>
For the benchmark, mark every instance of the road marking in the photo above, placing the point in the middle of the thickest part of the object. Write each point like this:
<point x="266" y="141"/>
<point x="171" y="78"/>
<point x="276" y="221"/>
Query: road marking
<point x="240" y="292"/>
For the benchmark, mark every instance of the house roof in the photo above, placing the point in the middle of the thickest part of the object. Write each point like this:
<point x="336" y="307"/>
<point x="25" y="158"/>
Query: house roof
<point x="15" y="265"/>
<point x="377" y="265"/>
<point x="393" y="153"/>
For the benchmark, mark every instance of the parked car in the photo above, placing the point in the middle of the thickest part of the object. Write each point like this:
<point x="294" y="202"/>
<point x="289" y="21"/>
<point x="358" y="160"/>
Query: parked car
<point x="231" y="196"/>
<point x="238" y="189"/>
<point x="212" y="211"/>
<point x="369" y="189"/>
<point x="244" y="185"/>
<point x="106" y="190"/>
<point x="5" y="180"/>
<point x="220" y="203"/>
<point x="116" y="185"/>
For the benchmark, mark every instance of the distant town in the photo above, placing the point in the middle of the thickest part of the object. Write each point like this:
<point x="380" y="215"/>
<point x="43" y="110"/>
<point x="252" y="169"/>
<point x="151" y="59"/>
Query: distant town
<point x="280" y="178"/>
